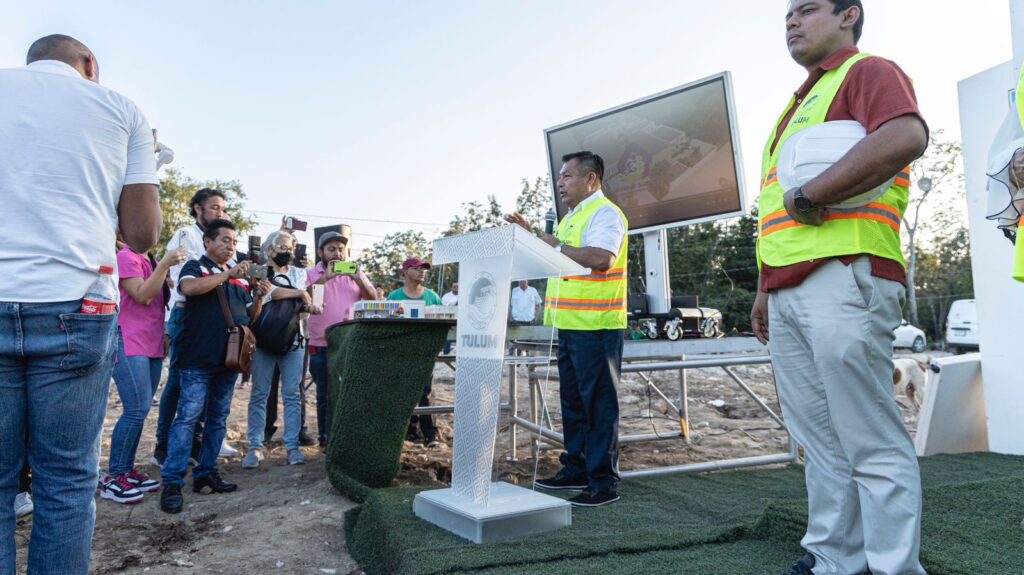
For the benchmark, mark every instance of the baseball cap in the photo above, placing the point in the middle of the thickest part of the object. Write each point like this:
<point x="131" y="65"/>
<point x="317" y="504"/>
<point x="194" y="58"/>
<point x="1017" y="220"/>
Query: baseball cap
<point x="415" y="263"/>
<point x="331" y="236"/>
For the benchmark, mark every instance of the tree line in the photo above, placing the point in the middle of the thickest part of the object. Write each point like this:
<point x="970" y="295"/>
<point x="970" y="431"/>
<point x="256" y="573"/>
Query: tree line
<point x="715" y="261"/>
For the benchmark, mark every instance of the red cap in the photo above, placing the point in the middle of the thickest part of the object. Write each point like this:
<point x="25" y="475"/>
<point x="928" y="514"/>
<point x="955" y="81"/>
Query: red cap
<point x="107" y="270"/>
<point x="415" y="263"/>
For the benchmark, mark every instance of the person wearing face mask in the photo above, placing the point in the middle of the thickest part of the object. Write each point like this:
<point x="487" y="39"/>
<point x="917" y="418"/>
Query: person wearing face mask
<point x="288" y="282"/>
<point x="341" y="291"/>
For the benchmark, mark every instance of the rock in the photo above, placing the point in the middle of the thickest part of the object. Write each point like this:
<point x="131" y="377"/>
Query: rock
<point x="717" y="403"/>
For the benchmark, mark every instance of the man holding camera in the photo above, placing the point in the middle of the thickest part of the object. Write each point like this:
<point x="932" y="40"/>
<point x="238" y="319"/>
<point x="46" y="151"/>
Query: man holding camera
<point x="206" y="205"/>
<point x="341" y="290"/>
<point x="206" y="384"/>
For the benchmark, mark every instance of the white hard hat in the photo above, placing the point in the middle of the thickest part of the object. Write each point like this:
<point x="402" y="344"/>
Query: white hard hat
<point x="810" y="152"/>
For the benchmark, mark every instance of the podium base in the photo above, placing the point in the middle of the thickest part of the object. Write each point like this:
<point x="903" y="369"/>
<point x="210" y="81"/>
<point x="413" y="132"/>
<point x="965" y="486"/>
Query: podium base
<point x="511" y="512"/>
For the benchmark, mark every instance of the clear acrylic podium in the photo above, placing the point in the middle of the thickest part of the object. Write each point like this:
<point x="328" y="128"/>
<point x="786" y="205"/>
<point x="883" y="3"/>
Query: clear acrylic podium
<point x="474" y="507"/>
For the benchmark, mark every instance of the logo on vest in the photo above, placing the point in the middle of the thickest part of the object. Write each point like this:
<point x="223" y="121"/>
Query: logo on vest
<point x="483" y="301"/>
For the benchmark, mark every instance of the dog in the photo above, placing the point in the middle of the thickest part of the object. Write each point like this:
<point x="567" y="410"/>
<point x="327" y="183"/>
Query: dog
<point x="909" y="378"/>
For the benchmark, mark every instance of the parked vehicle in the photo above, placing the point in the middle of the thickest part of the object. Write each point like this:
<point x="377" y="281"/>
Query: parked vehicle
<point x="962" y="329"/>
<point x="908" y="335"/>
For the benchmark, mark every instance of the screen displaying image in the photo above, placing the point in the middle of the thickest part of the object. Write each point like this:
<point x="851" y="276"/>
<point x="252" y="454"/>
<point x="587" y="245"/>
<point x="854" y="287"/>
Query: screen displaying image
<point x="669" y="159"/>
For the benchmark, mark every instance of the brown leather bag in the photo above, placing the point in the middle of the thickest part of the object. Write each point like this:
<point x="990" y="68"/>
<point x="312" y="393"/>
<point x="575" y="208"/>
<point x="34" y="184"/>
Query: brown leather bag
<point x="241" y="341"/>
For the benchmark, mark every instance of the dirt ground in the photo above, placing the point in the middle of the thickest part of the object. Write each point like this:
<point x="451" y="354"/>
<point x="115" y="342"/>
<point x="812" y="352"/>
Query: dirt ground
<point x="288" y="519"/>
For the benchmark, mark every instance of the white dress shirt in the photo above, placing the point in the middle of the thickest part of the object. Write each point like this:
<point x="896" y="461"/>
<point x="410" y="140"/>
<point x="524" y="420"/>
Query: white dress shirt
<point x="606" y="228"/>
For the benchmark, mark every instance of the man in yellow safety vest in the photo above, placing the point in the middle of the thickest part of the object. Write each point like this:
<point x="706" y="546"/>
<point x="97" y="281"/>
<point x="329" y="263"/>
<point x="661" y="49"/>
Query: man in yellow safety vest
<point x="831" y="289"/>
<point x="590" y="314"/>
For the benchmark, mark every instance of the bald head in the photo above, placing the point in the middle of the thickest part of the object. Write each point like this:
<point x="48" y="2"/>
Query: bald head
<point x="65" y="49"/>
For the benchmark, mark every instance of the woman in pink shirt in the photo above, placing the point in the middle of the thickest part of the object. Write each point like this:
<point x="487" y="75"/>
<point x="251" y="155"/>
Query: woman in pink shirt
<point x="140" y="354"/>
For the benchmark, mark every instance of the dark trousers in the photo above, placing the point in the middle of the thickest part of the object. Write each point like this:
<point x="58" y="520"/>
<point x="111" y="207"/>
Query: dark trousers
<point x="589" y="364"/>
<point x="426" y="422"/>
<point x="318" y="369"/>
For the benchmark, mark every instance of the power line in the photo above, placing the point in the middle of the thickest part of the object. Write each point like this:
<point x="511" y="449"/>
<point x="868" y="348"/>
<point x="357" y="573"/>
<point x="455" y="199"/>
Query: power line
<point x="347" y="218"/>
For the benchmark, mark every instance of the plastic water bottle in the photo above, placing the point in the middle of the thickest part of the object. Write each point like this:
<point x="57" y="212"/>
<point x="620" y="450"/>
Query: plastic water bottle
<point x="101" y="299"/>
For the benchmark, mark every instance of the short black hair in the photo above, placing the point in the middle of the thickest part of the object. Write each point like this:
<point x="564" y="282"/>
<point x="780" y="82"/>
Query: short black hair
<point x="213" y="228"/>
<point x="200" y="197"/>
<point x="588" y="161"/>
<point x="58" y="47"/>
<point x="858" y="26"/>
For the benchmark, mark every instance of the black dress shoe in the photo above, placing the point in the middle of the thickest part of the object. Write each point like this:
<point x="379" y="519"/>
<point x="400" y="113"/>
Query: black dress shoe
<point x="594" y="498"/>
<point x="305" y="440"/>
<point x="803" y="566"/>
<point x="171" y="500"/>
<point x="214" y="482"/>
<point x="562" y="481"/>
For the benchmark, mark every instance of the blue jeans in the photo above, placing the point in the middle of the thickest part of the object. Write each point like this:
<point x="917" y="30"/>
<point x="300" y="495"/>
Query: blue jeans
<point x="206" y="391"/>
<point x="318" y="369"/>
<point x="263" y="365"/>
<point x="589" y="364"/>
<point x="172" y="389"/>
<point x="137" y="378"/>
<point x="55" y="367"/>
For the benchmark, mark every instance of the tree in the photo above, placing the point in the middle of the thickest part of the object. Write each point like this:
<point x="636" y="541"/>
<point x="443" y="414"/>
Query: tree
<point x="177" y="189"/>
<point x="474" y="216"/>
<point x="534" y="201"/>
<point x="383" y="261"/>
<point x="944" y="276"/>
<point x="938" y="180"/>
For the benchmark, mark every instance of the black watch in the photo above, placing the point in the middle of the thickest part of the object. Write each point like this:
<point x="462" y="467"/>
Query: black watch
<point x="803" y="203"/>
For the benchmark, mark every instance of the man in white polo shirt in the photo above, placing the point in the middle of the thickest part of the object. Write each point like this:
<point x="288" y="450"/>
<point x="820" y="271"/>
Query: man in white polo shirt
<point x="76" y="165"/>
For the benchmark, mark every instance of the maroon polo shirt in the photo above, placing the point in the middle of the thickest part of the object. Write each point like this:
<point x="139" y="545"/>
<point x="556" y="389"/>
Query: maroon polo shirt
<point x="875" y="91"/>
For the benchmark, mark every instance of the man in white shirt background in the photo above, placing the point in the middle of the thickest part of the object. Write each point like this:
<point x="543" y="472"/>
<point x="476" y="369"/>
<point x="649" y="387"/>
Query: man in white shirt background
<point x="76" y="166"/>
<point x="452" y="297"/>
<point x="207" y="205"/>
<point x="525" y="304"/>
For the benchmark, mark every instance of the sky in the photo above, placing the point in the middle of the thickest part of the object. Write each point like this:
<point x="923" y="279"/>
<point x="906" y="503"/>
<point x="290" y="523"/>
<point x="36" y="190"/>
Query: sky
<point x="389" y="115"/>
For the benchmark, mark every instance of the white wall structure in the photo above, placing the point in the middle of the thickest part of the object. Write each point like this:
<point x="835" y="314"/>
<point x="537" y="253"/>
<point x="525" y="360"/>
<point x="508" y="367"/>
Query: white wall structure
<point x="985" y="100"/>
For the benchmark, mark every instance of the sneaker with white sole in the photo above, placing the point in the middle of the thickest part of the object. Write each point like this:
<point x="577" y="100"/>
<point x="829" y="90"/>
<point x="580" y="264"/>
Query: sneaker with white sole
<point x="295" y="457"/>
<point x="252" y="459"/>
<point x="227" y="451"/>
<point x="141" y="481"/>
<point x="23" y="504"/>
<point x="120" y="490"/>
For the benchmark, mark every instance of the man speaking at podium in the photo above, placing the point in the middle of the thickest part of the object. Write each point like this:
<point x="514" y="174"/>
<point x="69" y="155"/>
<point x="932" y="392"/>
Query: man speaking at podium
<point x="590" y="314"/>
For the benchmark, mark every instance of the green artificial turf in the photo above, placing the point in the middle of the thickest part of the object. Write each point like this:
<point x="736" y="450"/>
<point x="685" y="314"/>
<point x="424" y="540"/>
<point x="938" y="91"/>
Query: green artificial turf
<point x="378" y="372"/>
<point x="724" y="523"/>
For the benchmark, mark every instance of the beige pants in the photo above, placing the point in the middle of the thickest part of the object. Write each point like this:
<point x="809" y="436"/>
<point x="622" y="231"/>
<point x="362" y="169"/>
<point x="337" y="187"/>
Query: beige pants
<point x="831" y="346"/>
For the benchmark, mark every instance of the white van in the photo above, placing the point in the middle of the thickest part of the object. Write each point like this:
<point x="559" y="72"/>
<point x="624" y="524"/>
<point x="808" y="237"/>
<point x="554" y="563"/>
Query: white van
<point x="962" y="326"/>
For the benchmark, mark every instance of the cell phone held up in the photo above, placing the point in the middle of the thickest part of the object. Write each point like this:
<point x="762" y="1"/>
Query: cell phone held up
<point x="345" y="267"/>
<point x="258" y="272"/>
<point x="295" y="224"/>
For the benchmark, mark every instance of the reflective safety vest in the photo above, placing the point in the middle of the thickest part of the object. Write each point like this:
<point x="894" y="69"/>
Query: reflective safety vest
<point x="870" y="229"/>
<point x="1018" y="253"/>
<point x="591" y="302"/>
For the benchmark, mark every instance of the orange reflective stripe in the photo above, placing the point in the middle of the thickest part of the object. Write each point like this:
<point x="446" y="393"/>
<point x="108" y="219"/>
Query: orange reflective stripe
<point x="903" y="178"/>
<point x="864" y="216"/>
<point x="791" y="223"/>
<point x="769" y="179"/>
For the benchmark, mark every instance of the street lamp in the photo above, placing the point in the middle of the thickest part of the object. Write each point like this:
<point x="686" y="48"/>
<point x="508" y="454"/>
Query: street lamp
<point x="925" y="185"/>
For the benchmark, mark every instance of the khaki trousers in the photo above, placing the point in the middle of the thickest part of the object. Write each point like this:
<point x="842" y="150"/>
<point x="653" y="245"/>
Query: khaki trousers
<point x="831" y="346"/>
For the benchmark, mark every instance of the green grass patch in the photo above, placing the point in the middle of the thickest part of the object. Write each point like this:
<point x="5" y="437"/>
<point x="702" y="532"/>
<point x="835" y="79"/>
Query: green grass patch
<point x="738" y="522"/>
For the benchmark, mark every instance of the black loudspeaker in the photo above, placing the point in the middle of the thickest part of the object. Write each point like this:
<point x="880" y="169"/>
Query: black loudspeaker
<point x="689" y="301"/>
<point x="638" y="304"/>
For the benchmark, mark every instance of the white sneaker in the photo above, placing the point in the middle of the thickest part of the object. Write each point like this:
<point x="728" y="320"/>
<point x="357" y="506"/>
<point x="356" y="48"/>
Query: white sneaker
<point x="23" y="504"/>
<point x="227" y="451"/>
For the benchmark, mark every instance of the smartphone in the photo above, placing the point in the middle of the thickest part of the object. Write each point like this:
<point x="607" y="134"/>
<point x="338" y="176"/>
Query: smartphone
<point x="258" y="272"/>
<point x="295" y="224"/>
<point x="300" y="252"/>
<point x="345" y="267"/>
<point x="318" y="295"/>
<point x="182" y="236"/>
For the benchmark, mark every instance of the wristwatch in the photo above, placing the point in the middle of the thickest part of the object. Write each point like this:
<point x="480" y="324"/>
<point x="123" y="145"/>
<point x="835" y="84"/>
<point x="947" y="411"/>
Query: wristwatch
<point x="802" y="203"/>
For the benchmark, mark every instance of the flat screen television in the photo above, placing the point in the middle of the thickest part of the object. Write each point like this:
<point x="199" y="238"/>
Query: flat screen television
<point x="670" y="159"/>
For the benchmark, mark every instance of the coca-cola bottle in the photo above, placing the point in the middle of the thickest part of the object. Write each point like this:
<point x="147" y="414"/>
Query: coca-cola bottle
<point x="101" y="299"/>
